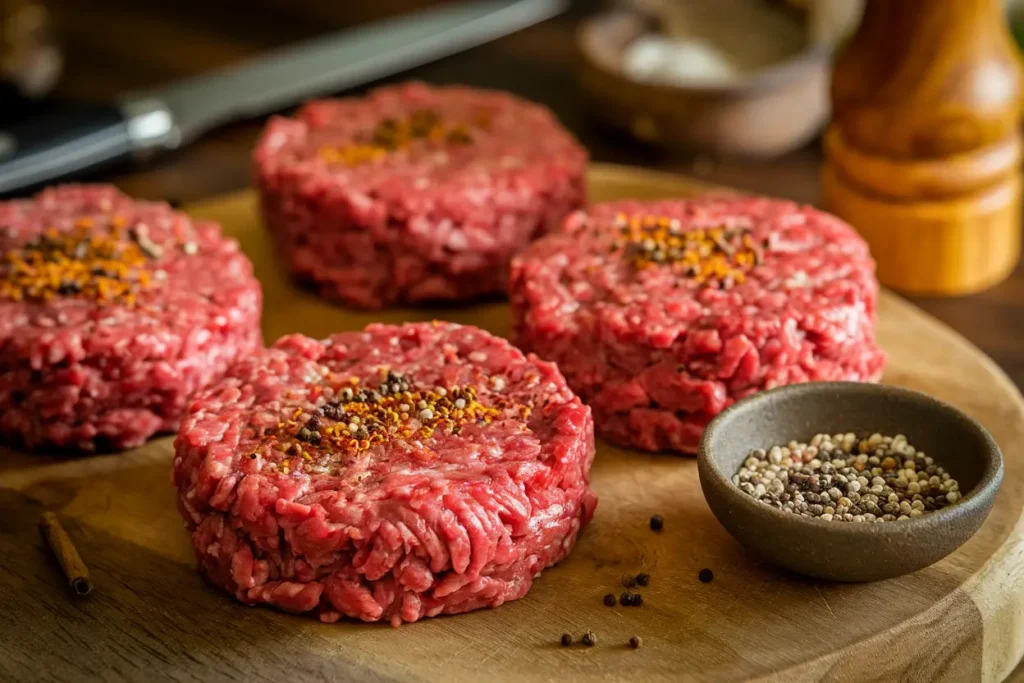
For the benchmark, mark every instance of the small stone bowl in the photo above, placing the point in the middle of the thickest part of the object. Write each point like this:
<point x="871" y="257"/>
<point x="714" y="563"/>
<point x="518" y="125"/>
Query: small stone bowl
<point x="768" y="111"/>
<point x="849" y="551"/>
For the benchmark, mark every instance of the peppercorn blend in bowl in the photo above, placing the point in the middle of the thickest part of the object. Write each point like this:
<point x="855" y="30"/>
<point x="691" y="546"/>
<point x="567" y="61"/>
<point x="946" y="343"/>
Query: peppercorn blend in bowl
<point x="112" y="313"/>
<point x="662" y="314"/>
<point x="912" y="511"/>
<point x="392" y="474"/>
<point x="414" y="193"/>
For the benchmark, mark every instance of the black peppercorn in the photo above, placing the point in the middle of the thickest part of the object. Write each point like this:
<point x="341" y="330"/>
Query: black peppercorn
<point x="631" y="599"/>
<point x="308" y="435"/>
<point x="643" y="578"/>
<point x="566" y="639"/>
<point x="628" y="580"/>
<point x="657" y="522"/>
<point x="609" y="600"/>
<point x="332" y="411"/>
<point x="589" y="639"/>
<point x="635" y="642"/>
<point x="706" y="575"/>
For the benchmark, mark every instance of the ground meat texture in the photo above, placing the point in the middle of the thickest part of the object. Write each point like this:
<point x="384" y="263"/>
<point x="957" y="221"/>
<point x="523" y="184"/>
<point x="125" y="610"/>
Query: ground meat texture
<point x="659" y="340"/>
<point x="96" y="359"/>
<point x="414" y="193"/>
<point x="293" y="502"/>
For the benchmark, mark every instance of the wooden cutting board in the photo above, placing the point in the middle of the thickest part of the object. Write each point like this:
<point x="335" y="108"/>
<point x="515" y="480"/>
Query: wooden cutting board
<point x="151" y="617"/>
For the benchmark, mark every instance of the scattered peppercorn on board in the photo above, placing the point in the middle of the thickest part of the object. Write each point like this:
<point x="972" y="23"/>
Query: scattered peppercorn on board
<point x="151" y="615"/>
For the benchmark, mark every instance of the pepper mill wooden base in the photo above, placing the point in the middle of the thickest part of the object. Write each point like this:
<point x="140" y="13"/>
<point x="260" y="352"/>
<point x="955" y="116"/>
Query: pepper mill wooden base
<point x="947" y="228"/>
<point x="923" y="154"/>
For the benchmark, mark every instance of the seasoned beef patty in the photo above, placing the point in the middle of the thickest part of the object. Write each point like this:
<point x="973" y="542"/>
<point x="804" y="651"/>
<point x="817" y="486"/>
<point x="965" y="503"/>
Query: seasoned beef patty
<point x="414" y="193"/>
<point x="390" y="474"/>
<point x="113" y="312"/>
<point x="661" y="314"/>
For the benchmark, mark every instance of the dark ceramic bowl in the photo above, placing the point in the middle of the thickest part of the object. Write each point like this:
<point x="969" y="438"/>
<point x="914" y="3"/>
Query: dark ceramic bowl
<point x="849" y="551"/>
<point x="769" y="111"/>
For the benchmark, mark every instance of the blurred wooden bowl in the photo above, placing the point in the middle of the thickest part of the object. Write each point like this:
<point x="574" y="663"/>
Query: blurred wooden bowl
<point x="766" y="112"/>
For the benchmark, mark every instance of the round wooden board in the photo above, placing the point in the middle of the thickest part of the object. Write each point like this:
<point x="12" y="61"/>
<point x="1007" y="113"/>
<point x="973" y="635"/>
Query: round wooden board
<point x="960" y="620"/>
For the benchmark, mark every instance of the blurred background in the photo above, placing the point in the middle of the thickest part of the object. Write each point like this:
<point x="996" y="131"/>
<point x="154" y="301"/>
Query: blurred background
<point x="60" y="53"/>
<point x="755" y="101"/>
<point x="57" y="53"/>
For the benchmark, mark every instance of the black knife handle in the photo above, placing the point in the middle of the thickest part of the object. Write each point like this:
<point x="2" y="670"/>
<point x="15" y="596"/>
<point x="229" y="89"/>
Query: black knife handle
<point x="55" y="147"/>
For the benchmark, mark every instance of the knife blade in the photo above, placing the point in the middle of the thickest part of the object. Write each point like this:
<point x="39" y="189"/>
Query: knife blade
<point x="143" y="123"/>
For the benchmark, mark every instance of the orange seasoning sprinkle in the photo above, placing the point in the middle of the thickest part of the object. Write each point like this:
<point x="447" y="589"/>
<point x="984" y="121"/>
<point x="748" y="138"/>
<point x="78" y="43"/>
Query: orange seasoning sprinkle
<point x="360" y="418"/>
<point x="393" y="134"/>
<point x="105" y="267"/>
<point x="711" y="257"/>
<point x="352" y="155"/>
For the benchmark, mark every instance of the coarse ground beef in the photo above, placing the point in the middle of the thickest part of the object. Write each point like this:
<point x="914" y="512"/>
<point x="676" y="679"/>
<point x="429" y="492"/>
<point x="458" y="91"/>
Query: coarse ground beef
<point x="314" y="478"/>
<point x="113" y="312"/>
<point x="616" y="300"/>
<point x="414" y="193"/>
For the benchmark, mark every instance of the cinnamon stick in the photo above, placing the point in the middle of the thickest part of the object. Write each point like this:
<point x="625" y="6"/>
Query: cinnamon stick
<point x="64" y="550"/>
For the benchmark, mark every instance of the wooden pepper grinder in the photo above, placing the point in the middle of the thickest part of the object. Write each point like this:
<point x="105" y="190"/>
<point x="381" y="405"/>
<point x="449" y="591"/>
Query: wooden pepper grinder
<point x="923" y="152"/>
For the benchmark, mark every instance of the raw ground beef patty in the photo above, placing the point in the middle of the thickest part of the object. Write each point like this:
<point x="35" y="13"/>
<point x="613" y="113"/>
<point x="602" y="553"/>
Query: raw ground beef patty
<point x="391" y="474"/>
<point x="112" y="313"/>
<point x="414" y="193"/>
<point x="662" y="314"/>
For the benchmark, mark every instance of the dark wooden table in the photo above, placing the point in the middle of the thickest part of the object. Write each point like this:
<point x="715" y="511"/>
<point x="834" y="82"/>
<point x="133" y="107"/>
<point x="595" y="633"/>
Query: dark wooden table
<point x="113" y="45"/>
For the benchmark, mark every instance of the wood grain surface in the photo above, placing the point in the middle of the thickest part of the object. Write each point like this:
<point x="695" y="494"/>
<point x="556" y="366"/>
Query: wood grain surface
<point x="928" y="79"/>
<point x="923" y="152"/>
<point x="152" y="618"/>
